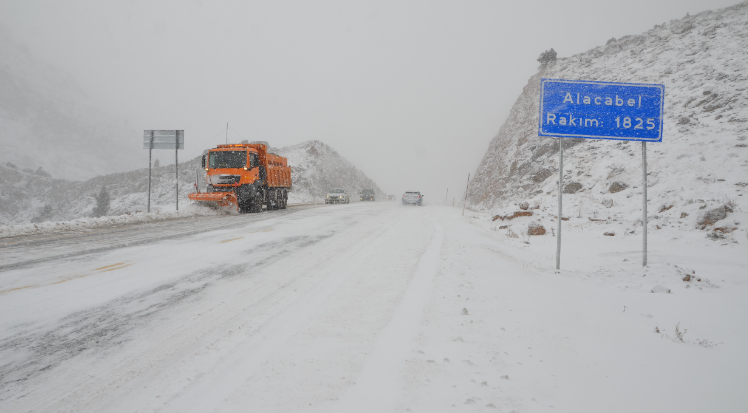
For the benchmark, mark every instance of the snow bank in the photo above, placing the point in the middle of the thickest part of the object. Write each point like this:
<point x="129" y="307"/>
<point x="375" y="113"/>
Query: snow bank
<point x="160" y="213"/>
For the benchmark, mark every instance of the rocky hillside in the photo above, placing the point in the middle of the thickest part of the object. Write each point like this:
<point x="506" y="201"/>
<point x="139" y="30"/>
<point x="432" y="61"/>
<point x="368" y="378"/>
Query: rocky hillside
<point x="47" y="121"/>
<point x="27" y="197"/>
<point x="702" y="162"/>
<point x="317" y="168"/>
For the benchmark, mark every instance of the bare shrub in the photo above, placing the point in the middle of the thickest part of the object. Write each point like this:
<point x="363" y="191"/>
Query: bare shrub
<point x="707" y="344"/>
<point x="680" y="334"/>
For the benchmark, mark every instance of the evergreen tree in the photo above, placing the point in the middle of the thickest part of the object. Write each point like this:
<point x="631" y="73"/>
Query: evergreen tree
<point x="156" y="164"/>
<point x="547" y="57"/>
<point x="102" y="203"/>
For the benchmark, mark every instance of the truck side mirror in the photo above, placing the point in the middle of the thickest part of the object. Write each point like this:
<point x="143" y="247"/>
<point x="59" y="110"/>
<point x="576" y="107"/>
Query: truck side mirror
<point x="203" y="161"/>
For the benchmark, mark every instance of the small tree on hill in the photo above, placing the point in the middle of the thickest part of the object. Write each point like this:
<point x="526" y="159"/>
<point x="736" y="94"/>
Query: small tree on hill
<point x="41" y="172"/>
<point x="547" y="57"/>
<point x="102" y="203"/>
<point x="156" y="164"/>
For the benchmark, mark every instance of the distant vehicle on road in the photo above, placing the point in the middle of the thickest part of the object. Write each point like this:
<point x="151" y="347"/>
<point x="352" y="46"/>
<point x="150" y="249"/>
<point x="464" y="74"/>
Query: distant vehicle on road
<point x="412" y="198"/>
<point x="390" y="197"/>
<point x="337" y="196"/>
<point x="367" y="195"/>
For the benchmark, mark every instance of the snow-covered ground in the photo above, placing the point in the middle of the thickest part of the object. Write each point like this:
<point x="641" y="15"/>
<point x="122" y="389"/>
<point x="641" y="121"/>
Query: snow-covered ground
<point x="374" y="307"/>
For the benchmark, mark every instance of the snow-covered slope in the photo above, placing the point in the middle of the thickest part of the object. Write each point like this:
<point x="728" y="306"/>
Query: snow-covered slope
<point x="316" y="168"/>
<point x="702" y="162"/>
<point x="27" y="197"/>
<point x="47" y="121"/>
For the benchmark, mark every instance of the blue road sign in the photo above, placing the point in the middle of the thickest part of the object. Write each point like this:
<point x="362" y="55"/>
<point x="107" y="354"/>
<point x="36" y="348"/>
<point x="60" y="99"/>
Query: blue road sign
<point x="601" y="110"/>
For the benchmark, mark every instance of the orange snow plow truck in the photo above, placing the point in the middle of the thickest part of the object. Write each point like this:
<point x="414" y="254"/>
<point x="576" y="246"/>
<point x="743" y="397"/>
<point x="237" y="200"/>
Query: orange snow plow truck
<point x="243" y="177"/>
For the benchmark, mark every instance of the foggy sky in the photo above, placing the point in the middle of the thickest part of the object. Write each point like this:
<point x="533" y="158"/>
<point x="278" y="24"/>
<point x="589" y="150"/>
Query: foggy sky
<point x="411" y="92"/>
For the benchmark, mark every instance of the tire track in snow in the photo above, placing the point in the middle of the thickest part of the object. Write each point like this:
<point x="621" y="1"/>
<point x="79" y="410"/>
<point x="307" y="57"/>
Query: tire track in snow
<point x="229" y="375"/>
<point x="112" y="239"/>
<point x="379" y="382"/>
<point x="107" y="326"/>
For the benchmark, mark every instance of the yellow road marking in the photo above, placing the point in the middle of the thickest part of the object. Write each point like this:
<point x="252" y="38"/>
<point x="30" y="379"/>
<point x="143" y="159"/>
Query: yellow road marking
<point x="251" y="232"/>
<point x="14" y="289"/>
<point x="112" y="269"/>
<point x="107" y="268"/>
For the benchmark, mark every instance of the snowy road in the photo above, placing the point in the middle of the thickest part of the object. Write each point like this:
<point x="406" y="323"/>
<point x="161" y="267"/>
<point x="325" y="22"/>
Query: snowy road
<point x="361" y="307"/>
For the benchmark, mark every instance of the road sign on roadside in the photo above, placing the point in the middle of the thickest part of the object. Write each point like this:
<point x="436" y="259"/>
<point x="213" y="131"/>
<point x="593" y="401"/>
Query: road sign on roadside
<point x="163" y="139"/>
<point x="590" y="109"/>
<point x="601" y="110"/>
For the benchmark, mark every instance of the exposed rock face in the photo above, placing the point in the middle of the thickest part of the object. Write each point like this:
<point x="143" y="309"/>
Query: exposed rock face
<point x="514" y="215"/>
<point x="700" y="59"/>
<point x="542" y="175"/>
<point x="713" y="215"/>
<point x="535" y="229"/>
<point x="572" y="187"/>
<point x="617" y="186"/>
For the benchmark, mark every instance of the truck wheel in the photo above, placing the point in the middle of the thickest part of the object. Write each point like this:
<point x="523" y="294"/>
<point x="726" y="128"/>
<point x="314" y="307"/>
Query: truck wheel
<point x="283" y="199"/>
<point x="272" y="202"/>
<point x="244" y="198"/>
<point x="255" y="204"/>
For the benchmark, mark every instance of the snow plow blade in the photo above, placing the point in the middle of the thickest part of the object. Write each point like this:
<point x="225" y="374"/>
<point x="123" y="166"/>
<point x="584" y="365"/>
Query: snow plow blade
<point x="224" y="200"/>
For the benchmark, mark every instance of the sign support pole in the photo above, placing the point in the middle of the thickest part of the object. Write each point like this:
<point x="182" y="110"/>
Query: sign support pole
<point x="560" y="199"/>
<point x="644" y="203"/>
<point x="150" y="151"/>
<point x="466" y="191"/>
<point x="176" y="165"/>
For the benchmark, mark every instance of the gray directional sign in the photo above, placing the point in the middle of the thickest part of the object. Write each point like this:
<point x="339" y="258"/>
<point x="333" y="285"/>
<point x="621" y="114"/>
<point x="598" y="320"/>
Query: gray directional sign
<point x="163" y="139"/>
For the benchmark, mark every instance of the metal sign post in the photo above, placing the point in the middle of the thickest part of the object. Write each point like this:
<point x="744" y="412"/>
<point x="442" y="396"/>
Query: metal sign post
<point x="150" y="151"/>
<point x="644" y="204"/>
<point x="163" y="139"/>
<point x="466" y="191"/>
<point x="560" y="199"/>
<point x="601" y="110"/>
<point x="176" y="171"/>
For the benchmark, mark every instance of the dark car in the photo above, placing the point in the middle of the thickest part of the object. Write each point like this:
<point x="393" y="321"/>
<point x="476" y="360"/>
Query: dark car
<point x="367" y="195"/>
<point x="390" y="197"/>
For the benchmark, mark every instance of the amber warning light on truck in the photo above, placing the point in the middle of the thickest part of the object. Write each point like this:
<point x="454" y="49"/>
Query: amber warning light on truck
<point x="601" y="110"/>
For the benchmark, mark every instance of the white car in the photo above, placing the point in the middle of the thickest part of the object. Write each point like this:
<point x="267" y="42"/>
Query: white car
<point x="337" y="196"/>
<point x="412" y="198"/>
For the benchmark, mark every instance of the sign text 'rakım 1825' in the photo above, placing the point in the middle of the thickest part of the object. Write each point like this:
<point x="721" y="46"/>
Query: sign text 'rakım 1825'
<point x="601" y="110"/>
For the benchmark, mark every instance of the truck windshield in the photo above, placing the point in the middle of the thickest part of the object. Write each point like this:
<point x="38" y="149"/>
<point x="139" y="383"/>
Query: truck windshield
<point x="228" y="159"/>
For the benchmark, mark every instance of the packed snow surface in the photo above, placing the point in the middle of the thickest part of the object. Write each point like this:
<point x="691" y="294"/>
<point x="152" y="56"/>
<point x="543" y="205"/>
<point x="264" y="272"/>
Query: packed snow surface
<point x="368" y="307"/>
